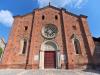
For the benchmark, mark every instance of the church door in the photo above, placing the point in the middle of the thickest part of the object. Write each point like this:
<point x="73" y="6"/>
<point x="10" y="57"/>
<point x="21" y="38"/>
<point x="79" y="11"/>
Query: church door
<point x="49" y="59"/>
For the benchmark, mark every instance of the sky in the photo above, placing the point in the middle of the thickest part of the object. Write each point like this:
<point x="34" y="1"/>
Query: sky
<point x="10" y="8"/>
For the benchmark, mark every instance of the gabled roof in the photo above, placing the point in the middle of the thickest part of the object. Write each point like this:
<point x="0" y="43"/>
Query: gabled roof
<point x="56" y="8"/>
<point x="49" y="6"/>
<point x="53" y="7"/>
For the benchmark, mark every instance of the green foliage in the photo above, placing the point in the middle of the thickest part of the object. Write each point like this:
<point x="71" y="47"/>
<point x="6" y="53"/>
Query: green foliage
<point x="1" y="51"/>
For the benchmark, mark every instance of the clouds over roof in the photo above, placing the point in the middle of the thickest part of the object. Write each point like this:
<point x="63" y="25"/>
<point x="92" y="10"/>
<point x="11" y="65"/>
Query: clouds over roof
<point x="63" y="3"/>
<point x="6" y="18"/>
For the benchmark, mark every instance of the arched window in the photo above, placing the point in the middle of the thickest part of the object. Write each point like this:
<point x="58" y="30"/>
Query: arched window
<point x="56" y="17"/>
<point x="23" y="46"/>
<point x="77" y="46"/>
<point x="43" y="17"/>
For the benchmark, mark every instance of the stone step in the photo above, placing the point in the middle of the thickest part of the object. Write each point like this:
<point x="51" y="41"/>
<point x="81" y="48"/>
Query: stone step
<point x="47" y="72"/>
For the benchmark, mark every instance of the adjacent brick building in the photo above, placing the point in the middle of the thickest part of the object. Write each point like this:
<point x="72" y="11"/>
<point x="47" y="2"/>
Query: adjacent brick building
<point x="2" y="43"/>
<point x="96" y="54"/>
<point x="49" y="37"/>
<point x="2" y="47"/>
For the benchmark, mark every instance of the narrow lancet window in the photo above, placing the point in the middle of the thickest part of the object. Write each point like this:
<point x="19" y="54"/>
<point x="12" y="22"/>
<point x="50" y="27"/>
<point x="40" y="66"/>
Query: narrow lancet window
<point x="24" y="47"/>
<point x="77" y="46"/>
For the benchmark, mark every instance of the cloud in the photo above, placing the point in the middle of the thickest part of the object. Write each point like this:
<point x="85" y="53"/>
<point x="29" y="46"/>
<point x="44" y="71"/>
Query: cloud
<point x="6" y="18"/>
<point x="80" y="3"/>
<point x="62" y="3"/>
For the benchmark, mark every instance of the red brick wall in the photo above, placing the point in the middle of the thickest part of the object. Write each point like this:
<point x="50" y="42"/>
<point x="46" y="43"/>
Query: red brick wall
<point x="90" y="46"/>
<point x="64" y="23"/>
<point x="37" y="38"/>
<point x="12" y="50"/>
<point x="71" y="20"/>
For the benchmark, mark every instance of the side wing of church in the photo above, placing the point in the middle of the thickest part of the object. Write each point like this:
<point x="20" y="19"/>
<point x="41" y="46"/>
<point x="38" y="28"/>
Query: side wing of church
<point x="49" y="38"/>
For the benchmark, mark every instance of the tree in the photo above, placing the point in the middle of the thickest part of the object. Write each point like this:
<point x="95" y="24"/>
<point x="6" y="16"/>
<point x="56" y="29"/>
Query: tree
<point x="1" y="50"/>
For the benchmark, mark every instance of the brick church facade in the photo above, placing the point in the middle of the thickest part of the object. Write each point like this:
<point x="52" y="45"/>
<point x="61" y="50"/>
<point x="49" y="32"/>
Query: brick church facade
<point x="49" y="37"/>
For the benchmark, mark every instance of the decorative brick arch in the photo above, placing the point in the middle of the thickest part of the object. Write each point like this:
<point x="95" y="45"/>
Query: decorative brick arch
<point x="52" y="45"/>
<point x="49" y="45"/>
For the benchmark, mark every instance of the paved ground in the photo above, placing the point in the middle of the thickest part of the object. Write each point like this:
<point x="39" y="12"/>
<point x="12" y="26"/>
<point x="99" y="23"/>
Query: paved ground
<point x="47" y="72"/>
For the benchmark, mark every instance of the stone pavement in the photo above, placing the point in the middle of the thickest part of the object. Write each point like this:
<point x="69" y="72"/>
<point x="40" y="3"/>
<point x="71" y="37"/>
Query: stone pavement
<point x="47" y="72"/>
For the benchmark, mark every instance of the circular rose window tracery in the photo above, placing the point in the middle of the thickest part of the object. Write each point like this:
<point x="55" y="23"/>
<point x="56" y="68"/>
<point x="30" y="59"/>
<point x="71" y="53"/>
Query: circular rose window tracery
<point x="49" y="31"/>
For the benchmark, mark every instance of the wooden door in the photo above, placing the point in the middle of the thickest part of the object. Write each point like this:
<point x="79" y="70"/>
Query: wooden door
<point x="50" y="59"/>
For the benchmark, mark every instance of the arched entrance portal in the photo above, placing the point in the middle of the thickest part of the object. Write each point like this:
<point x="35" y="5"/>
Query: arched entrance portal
<point x="49" y="55"/>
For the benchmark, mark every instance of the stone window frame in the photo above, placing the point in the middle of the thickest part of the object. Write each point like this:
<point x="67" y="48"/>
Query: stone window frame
<point x="74" y="37"/>
<point x="43" y="34"/>
<point x="22" y="46"/>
